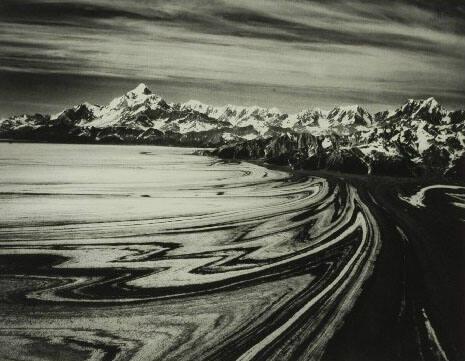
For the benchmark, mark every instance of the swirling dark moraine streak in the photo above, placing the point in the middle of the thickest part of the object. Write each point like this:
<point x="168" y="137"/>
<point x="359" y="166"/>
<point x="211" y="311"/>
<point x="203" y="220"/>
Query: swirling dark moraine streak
<point x="272" y="282"/>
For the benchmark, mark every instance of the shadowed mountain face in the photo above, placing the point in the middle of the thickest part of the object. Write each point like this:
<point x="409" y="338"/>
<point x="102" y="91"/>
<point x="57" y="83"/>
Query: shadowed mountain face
<point x="419" y="138"/>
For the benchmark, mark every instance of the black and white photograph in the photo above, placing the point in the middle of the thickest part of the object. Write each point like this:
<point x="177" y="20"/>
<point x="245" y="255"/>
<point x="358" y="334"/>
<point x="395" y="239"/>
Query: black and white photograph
<point x="222" y="180"/>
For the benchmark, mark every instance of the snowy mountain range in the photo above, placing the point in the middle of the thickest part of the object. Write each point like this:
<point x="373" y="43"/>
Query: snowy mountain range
<point x="420" y="132"/>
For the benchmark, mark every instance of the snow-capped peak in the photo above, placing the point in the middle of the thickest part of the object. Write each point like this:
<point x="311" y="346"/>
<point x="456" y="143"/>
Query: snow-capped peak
<point x="135" y="97"/>
<point x="85" y="107"/>
<point x="349" y="108"/>
<point x="432" y="104"/>
<point x="88" y="106"/>
<point x="141" y="89"/>
<point x="432" y="101"/>
<point x="350" y="114"/>
<point x="427" y="109"/>
<point x="195" y="105"/>
<point x="427" y="104"/>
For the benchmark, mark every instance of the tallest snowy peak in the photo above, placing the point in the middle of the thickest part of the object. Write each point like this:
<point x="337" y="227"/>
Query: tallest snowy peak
<point x="141" y="89"/>
<point x="136" y="97"/>
<point x="431" y="100"/>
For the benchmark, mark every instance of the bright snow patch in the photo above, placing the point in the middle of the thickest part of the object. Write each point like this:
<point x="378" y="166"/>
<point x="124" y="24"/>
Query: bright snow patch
<point x="418" y="198"/>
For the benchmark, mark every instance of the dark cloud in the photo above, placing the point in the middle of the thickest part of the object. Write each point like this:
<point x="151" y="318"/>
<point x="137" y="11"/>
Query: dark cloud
<point x="328" y="51"/>
<point x="277" y="29"/>
<point x="60" y="13"/>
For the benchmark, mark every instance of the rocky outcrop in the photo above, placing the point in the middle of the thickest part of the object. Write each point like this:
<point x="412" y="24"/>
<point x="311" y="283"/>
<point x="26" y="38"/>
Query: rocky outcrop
<point x="457" y="170"/>
<point x="376" y="154"/>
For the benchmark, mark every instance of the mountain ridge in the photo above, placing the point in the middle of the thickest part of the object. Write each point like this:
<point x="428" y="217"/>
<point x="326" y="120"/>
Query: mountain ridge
<point x="420" y="133"/>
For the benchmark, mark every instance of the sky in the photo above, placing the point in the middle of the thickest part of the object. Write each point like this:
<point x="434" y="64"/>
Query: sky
<point x="288" y="54"/>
